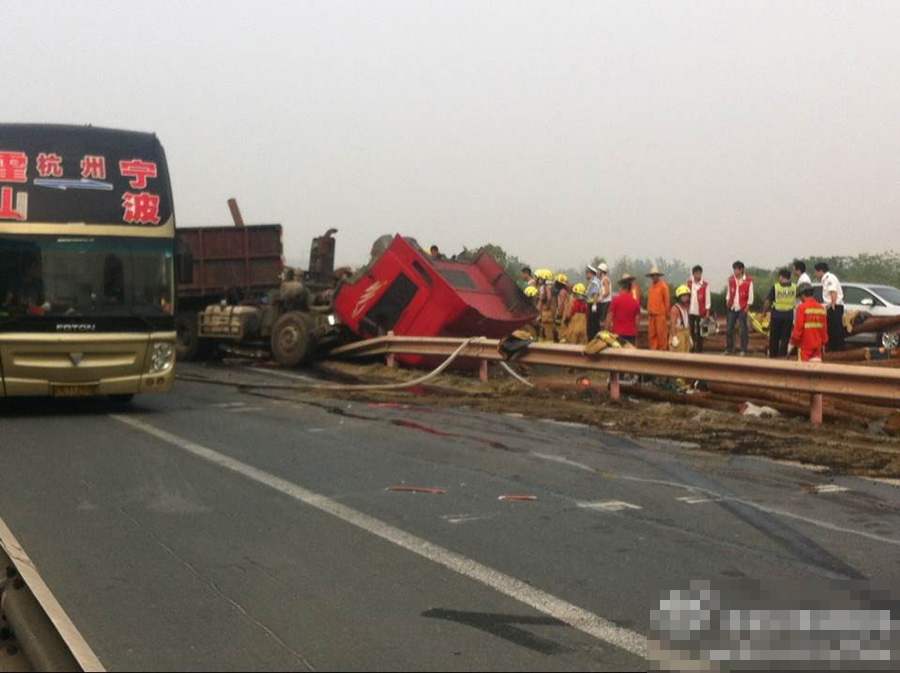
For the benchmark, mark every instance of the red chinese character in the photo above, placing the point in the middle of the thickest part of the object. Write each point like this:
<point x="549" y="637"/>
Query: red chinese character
<point x="13" y="166"/>
<point x="7" y="212"/>
<point x="49" y="165"/>
<point x="93" y="167"/>
<point x="141" y="208"/>
<point x="139" y="170"/>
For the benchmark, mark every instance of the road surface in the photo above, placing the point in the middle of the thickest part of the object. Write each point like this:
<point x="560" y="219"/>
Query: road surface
<point x="217" y="530"/>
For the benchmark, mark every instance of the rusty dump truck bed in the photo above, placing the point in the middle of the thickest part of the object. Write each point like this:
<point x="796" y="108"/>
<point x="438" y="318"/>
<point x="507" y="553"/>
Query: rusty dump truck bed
<point x="405" y="291"/>
<point x="232" y="258"/>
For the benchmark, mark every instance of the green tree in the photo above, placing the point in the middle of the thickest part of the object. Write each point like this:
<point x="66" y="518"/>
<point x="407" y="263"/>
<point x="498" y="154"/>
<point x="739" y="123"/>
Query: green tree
<point x="510" y="263"/>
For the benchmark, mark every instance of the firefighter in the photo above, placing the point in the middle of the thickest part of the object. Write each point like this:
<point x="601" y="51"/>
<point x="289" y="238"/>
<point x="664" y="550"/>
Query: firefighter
<point x="577" y="333"/>
<point x="680" y="321"/>
<point x="533" y="328"/>
<point x="563" y="303"/>
<point x="810" y="328"/>
<point x="658" y="305"/>
<point x="546" y="304"/>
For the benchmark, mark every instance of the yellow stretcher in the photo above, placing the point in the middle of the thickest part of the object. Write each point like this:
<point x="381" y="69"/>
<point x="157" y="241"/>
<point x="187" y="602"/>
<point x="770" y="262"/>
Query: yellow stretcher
<point x="760" y="323"/>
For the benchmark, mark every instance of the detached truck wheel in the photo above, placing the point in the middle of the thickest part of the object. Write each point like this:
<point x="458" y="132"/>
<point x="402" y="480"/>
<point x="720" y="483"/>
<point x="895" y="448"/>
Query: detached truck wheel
<point x="291" y="339"/>
<point x="187" y="344"/>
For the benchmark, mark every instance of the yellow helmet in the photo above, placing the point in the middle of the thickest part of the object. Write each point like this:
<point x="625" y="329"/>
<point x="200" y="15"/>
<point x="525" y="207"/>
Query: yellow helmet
<point x="544" y="274"/>
<point x="531" y="291"/>
<point x="579" y="289"/>
<point x="562" y="278"/>
<point x="682" y="290"/>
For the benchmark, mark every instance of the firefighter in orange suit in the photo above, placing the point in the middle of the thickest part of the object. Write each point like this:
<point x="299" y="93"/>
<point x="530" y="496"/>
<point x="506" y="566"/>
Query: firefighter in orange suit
<point x="810" y="327"/>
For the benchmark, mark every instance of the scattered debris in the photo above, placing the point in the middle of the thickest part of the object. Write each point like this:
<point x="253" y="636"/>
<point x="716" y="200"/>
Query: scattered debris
<point x="608" y="506"/>
<point x="432" y="490"/>
<point x="755" y="411"/>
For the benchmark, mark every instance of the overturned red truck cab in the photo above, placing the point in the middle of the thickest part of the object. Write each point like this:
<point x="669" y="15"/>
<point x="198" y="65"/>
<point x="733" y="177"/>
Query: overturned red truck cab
<point x="405" y="291"/>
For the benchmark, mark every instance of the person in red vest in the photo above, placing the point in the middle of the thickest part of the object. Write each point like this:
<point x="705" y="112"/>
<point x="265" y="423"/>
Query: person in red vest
<point x="701" y="303"/>
<point x="810" y="328"/>
<point x="739" y="298"/>
<point x="624" y="312"/>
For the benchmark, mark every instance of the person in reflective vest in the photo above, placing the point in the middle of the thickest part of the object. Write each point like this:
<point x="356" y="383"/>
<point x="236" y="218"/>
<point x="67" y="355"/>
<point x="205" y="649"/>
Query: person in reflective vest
<point x="811" y="327"/>
<point x="780" y="302"/>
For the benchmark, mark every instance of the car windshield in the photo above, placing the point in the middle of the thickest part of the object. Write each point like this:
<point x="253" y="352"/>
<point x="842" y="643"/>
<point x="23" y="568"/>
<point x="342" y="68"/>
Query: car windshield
<point x="85" y="276"/>
<point x="889" y="294"/>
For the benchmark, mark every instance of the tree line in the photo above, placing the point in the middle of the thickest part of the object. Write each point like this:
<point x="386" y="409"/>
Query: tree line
<point x="880" y="268"/>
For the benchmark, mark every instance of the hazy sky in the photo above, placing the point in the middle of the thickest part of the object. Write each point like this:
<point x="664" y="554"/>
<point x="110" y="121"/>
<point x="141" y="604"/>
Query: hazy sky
<point x="560" y="130"/>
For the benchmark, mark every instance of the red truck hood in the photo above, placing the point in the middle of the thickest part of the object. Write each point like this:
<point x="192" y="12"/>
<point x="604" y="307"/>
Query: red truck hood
<point x="406" y="291"/>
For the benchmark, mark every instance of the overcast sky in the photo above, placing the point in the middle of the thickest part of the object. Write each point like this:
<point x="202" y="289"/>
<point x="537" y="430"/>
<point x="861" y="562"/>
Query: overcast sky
<point x="559" y="130"/>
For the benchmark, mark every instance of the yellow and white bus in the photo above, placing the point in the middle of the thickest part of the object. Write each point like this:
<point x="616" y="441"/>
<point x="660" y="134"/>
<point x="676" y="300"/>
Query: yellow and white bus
<point x="87" y="263"/>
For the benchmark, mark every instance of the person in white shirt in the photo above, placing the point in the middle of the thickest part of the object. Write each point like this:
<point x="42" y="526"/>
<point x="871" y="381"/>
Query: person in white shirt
<point x="800" y="276"/>
<point x="700" y="307"/>
<point x="833" y="299"/>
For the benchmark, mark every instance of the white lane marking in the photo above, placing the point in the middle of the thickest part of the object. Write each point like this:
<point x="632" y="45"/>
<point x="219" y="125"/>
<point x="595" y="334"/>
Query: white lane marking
<point x="563" y="461"/>
<point x="73" y="639"/>
<point x="608" y="505"/>
<point x="830" y="488"/>
<point x="574" y="616"/>
<point x="230" y="405"/>
<point x="286" y="375"/>
<point x="242" y="410"/>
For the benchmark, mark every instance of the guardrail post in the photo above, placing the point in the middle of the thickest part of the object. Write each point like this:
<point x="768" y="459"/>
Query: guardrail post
<point x="815" y="408"/>
<point x="391" y="360"/>
<point x="483" y="370"/>
<point x="615" y="392"/>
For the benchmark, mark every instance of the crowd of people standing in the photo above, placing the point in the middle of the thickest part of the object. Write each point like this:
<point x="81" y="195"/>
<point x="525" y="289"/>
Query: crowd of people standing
<point x="577" y="313"/>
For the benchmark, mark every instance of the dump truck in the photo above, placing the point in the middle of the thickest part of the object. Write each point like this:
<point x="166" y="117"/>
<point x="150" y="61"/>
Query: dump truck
<point x="408" y="292"/>
<point x="242" y="300"/>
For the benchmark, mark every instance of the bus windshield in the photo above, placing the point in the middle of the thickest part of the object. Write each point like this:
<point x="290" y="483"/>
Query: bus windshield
<point x="75" y="276"/>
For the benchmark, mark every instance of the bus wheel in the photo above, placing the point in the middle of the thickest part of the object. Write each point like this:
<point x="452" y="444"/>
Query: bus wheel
<point x="121" y="399"/>
<point x="187" y="343"/>
<point x="291" y="340"/>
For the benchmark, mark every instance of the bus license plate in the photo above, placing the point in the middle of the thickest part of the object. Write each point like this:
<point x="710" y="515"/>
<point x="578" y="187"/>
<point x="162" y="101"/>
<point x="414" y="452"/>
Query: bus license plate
<point x="74" y="391"/>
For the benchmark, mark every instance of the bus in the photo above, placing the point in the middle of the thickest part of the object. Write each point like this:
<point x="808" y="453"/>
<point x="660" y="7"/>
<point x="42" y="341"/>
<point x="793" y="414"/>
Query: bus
<point x="87" y="263"/>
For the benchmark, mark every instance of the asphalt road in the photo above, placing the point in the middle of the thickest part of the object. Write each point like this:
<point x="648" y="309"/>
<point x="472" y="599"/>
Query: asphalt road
<point x="217" y="530"/>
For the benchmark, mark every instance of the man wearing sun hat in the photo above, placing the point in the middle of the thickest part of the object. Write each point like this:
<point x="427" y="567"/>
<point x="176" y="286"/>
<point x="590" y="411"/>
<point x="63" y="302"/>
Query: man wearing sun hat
<point x="659" y="304"/>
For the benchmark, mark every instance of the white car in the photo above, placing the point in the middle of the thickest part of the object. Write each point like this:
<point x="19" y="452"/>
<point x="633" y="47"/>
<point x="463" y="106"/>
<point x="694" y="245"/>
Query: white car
<point x="877" y="300"/>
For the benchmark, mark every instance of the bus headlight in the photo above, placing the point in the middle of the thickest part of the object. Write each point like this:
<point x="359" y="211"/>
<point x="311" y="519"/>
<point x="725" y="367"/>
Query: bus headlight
<point x="162" y="357"/>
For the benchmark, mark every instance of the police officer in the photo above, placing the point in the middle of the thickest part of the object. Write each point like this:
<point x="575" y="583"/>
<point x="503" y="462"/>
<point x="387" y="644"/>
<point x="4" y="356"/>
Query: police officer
<point x="780" y="302"/>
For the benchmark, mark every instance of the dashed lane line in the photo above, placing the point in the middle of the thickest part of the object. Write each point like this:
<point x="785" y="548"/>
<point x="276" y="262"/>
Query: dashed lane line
<point x="577" y="617"/>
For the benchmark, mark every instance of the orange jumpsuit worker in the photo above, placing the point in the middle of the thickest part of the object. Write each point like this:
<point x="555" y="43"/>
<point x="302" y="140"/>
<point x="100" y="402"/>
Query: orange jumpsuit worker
<point x="810" y="327"/>
<point x="659" y="304"/>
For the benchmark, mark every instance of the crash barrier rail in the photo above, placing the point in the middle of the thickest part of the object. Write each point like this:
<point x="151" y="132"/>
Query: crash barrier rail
<point x="36" y="633"/>
<point x="815" y="378"/>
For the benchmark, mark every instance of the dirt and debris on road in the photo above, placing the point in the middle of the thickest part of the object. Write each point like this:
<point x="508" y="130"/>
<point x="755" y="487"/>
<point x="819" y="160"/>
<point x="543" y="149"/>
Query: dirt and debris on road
<point x="842" y="447"/>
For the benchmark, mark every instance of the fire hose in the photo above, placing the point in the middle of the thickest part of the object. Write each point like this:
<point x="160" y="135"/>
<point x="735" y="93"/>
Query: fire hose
<point x="354" y="387"/>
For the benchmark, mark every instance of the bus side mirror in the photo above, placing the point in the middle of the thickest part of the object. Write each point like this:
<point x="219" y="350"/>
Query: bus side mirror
<point x="185" y="266"/>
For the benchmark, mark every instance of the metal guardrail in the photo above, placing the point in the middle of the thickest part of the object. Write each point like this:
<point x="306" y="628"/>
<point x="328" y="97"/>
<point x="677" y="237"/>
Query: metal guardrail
<point x="36" y="632"/>
<point x="814" y="378"/>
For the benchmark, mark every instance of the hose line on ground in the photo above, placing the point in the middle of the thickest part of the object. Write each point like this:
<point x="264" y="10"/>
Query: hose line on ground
<point x="512" y="372"/>
<point x="349" y="387"/>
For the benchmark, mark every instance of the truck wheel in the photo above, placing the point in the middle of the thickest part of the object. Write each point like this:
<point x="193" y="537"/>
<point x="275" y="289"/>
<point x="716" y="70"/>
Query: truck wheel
<point x="291" y="340"/>
<point x="187" y="343"/>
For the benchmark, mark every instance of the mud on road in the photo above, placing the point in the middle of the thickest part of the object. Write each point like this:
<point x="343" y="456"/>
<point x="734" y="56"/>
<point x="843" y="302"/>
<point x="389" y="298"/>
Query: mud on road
<point x="840" y="448"/>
